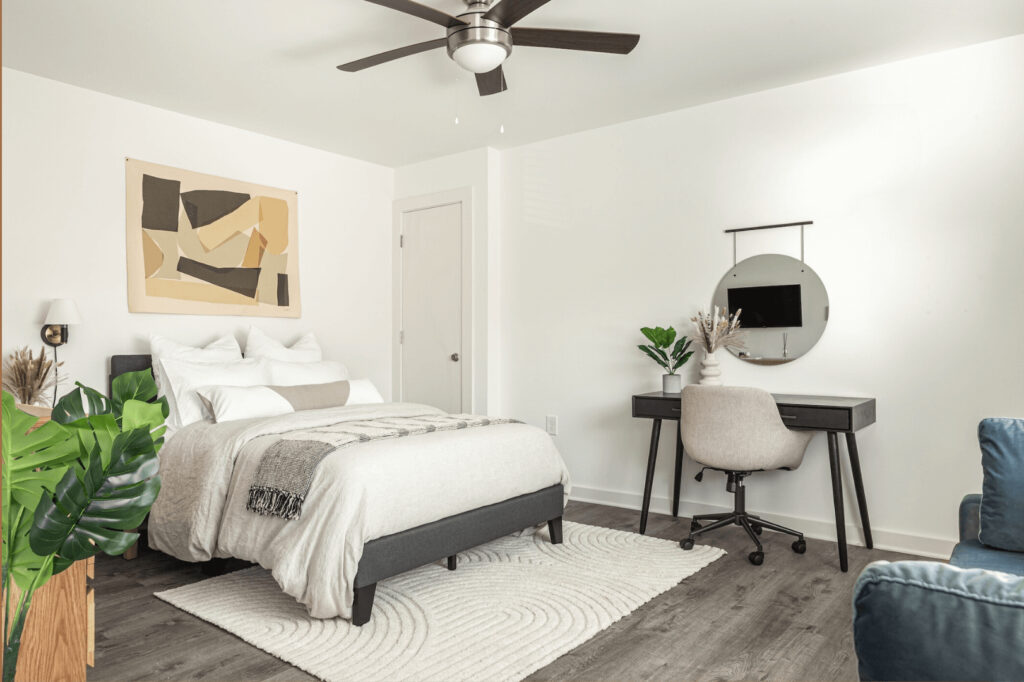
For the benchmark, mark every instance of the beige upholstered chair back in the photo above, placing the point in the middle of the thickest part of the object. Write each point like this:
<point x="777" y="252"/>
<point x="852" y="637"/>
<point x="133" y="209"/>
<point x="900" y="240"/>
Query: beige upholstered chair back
<point x="738" y="429"/>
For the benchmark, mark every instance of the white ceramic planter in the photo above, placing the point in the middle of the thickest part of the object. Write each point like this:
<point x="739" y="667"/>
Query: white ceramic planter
<point x="710" y="373"/>
<point x="671" y="383"/>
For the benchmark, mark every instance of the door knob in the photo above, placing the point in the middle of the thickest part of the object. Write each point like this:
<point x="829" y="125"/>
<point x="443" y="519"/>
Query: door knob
<point x="455" y="357"/>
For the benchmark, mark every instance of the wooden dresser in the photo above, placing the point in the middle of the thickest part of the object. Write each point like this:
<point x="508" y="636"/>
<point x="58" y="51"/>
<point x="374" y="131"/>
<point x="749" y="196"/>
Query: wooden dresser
<point x="59" y="637"/>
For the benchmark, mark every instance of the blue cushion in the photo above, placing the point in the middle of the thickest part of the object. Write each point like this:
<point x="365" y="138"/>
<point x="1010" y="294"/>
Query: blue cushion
<point x="973" y="554"/>
<point x="970" y="517"/>
<point x="922" y="620"/>
<point x="1002" y="495"/>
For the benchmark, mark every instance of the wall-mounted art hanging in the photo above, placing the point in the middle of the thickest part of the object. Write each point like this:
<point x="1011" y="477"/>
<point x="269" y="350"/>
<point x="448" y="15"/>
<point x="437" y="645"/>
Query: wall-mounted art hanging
<point x="203" y="245"/>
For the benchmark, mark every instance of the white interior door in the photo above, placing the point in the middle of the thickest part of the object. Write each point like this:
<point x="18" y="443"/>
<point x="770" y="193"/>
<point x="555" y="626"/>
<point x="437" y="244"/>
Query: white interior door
<point x="431" y="338"/>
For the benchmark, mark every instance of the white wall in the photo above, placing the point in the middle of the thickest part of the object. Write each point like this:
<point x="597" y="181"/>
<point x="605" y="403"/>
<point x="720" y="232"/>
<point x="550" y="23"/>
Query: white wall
<point x="64" y="227"/>
<point x="478" y="170"/>
<point x="912" y="173"/>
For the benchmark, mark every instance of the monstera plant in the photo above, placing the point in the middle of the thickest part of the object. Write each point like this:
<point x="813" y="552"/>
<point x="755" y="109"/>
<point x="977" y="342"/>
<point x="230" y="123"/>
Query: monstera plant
<point x="74" y="487"/>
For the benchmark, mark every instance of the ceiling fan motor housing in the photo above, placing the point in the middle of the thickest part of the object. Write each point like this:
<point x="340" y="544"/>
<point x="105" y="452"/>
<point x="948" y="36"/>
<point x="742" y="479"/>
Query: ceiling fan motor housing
<point x="478" y="31"/>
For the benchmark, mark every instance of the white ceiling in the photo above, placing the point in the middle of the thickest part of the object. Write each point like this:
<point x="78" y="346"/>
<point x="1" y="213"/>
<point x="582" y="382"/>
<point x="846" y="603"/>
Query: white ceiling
<point x="268" y="65"/>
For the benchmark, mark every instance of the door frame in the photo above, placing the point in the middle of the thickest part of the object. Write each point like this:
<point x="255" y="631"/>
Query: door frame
<point x="464" y="197"/>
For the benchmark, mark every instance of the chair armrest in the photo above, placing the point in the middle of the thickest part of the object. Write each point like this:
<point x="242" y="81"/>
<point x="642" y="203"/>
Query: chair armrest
<point x="923" y="620"/>
<point x="970" y="517"/>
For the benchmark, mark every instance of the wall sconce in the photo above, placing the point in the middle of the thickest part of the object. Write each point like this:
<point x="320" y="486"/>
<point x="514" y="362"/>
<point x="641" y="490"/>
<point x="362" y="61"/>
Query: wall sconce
<point x="54" y="333"/>
<point x="62" y="312"/>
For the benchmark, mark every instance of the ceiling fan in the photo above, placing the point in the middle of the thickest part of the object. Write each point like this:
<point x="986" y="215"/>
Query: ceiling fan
<point x="481" y="38"/>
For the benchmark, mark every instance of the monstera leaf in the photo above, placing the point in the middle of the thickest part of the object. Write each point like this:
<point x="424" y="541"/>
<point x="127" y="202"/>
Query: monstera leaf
<point x="92" y="416"/>
<point x="71" y="408"/>
<point x="72" y="487"/>
<point x="33" y="462"/>
<point x="92" y="506"/>
<point x="138" y="386"/>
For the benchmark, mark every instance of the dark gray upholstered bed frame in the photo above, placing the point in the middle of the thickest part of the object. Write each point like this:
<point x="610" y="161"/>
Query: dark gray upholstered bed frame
<point x="445" y="538"/>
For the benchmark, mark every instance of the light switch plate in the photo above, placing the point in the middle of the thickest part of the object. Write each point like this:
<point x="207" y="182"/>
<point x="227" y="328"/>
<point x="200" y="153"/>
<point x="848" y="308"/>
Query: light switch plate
<point x="551" y="424"/>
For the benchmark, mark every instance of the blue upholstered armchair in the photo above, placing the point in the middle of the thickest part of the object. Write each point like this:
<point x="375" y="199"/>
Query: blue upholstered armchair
<point x="925" y="620"/>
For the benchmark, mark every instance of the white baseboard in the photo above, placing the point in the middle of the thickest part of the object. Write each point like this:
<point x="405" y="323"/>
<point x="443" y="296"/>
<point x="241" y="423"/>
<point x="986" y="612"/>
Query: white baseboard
<point x="931" y="547"/>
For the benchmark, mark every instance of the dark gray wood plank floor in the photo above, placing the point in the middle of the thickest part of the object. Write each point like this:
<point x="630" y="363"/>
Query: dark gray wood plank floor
<point x="786" y="620"/>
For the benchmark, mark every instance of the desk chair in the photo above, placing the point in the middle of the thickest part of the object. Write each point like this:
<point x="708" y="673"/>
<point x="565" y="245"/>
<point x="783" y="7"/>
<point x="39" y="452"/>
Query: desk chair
<point x="738" y="431"/>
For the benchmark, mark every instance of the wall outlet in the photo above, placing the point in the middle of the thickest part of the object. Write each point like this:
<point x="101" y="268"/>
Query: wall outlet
<point x="551" y="424"/>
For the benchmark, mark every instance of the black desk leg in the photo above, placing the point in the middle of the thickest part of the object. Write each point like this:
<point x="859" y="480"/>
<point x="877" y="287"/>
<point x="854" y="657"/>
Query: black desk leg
<point x="651" y="460"/>
<point x="858" y="485"/>
<point x="679" y="473"/>
<point x="837" y="497"/>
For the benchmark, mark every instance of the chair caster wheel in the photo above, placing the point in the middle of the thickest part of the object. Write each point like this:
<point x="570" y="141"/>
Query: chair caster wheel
<point x="756" y="558"/>
<point x="756" y="528"/>
<point x="694" y="525"/>
<point x="687" y="543"/>
<point x="799" y="546"/>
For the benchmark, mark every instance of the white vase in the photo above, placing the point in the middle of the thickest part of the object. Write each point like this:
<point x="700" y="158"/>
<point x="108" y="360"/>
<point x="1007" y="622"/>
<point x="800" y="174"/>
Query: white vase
<point x="710" y="374"/>
<point x="671" y="383"/>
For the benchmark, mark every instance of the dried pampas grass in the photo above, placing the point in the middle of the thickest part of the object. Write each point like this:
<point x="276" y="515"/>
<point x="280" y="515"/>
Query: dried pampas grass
<point x="27" y="377"/>
<point x="718" y="329"/>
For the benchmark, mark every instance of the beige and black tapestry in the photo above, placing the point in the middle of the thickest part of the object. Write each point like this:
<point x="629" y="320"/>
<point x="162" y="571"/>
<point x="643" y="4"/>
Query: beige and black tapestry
<point x="203" y="245"/>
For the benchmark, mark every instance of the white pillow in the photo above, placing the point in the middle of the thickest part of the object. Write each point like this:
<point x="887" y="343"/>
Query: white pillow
<point x="184" y="377"/>
<point x="259" y="345"/>
<point x="227" y="403"/>
<point x="302" y="373"/>
<point x="363" y="392"/>
<point x="224" y="349"/>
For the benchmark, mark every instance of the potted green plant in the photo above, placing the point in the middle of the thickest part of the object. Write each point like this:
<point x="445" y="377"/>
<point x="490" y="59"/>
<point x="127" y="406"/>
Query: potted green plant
<point x="73" y="487"/>
<point x="661" y="341"/>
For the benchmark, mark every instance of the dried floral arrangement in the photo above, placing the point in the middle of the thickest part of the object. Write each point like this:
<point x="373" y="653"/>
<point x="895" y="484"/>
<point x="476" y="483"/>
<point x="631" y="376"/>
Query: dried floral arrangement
<point x="28" y="377"/>
<point x="718" y="329"/>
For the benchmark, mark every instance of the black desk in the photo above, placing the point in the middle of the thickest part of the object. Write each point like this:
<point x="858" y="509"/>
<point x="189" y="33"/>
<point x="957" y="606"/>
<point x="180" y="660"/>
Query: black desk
<point x="833" y="415"/>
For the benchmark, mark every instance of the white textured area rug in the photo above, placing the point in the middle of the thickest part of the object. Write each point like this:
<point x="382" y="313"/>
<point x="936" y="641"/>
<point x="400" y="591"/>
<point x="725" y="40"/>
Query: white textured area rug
<point x="512" y="606"/>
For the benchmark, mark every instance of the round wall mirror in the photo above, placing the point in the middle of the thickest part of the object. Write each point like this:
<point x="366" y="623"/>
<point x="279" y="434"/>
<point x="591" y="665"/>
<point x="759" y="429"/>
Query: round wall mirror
<point x="784" y="304"/>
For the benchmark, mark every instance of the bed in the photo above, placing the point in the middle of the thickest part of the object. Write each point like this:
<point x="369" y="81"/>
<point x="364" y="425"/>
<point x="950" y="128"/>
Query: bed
<point x="379" y="509"/>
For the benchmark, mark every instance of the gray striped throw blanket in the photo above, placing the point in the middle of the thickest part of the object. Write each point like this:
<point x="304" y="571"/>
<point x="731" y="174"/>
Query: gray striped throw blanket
<point x="286" y="471"/>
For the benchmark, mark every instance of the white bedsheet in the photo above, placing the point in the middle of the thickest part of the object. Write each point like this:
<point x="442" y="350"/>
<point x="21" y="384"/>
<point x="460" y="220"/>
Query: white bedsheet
<point x="359" y="493"/>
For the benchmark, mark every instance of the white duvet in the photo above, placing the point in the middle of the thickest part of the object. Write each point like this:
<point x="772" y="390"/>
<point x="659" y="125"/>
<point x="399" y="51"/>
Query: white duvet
<point x="359" y="493"/>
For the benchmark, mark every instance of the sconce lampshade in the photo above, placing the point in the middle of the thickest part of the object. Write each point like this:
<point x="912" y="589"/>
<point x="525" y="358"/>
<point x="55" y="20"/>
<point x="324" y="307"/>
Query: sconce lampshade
<point x="63" y="311"/>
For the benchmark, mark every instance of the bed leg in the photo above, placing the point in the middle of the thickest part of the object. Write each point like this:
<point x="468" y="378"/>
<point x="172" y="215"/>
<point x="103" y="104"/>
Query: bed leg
<point x="555" y="530"/>
<point x="452" y="562"/>
<point x="362" y="604"/>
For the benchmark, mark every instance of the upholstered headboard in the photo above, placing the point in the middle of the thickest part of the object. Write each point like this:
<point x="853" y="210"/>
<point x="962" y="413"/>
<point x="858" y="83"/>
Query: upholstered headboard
<point x="120" y="364"/>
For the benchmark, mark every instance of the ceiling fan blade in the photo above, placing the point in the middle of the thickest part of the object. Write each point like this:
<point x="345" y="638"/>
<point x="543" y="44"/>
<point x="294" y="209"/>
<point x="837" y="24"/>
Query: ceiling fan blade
<point x="421" y="11"/>
<point x="589" y="41"/>
<point x="492" y="82"/>
<point x="508" y="12"/>
<point x="390" y="55"/>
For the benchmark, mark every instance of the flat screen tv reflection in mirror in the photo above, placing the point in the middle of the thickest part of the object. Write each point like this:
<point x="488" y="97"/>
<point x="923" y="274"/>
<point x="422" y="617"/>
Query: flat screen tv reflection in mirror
<point x="767" y="306"/>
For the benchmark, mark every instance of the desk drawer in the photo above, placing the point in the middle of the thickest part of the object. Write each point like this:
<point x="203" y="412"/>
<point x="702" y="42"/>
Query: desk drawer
<point x="657" y="408"/>
<point x="821" y="418"/>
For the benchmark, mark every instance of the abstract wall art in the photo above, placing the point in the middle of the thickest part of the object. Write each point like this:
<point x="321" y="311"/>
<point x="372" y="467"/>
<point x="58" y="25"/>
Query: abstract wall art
<point x="204" y="245"/>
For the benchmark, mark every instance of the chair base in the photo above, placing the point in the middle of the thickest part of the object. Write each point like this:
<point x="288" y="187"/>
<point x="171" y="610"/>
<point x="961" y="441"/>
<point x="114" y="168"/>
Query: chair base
<point x="751" y="523"/>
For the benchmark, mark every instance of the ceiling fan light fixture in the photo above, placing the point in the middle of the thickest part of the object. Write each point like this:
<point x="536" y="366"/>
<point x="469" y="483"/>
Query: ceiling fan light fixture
<point x="480" y="57"/>
<point x="480" y="39"/>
